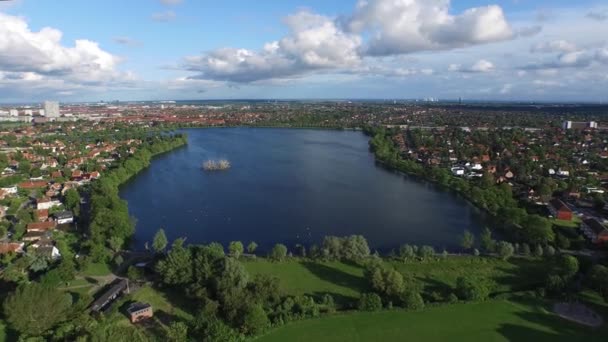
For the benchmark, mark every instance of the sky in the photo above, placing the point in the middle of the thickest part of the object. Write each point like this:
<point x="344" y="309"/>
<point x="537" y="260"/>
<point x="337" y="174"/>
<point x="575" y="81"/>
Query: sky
<point x="511" y="50"/>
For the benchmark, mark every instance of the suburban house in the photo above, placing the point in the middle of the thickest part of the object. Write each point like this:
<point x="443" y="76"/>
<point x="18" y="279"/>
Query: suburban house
<point x="41" y="226"/>
<point x="35" y="236"/>
<point x="11" y="247"/>
<point x="46" y="203"/>
<point x="42" y="215"/>
<point x="139" y="311"/>
<point x="46" y="249"/>
<point x="595" y="231"/>
<point x="33" y="185"/>
<point x="106" y="299"/>
<point x="64" y="217"/>
<point x="560" y="210"/>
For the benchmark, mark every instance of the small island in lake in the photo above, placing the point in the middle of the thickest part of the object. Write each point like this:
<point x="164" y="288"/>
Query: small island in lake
<point x="212" y="165"/>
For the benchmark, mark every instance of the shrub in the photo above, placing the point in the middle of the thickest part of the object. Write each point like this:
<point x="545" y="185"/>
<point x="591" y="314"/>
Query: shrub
<point x="370" y="302"/>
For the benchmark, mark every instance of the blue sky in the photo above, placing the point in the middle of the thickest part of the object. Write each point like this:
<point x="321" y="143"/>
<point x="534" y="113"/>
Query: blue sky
<point x="196" y="49"/>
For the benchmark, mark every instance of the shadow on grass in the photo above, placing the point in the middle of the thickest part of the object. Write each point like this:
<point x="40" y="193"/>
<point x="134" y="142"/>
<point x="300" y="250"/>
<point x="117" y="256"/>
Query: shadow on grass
<point x="340" y="278"/>
<point x="336" y="276"/>
<point x="560" y="330"/>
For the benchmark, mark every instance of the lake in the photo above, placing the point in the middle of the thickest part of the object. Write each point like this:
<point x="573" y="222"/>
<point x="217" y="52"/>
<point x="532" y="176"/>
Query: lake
<point x="290" y="186"/>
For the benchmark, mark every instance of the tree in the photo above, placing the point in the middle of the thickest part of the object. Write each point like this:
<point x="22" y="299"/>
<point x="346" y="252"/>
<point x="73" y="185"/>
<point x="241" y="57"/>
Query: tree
<point x="176" y="267"/>
<point x="370" y="302"/>
<point x="505" y="250"/>
<point x="255" y="320"/>
<point x="426" y="252"/>
<point x="468" y="240"/>
<point x="251" y="247"/>
<point x="33" y="309"/>
<point x="413" y="301"/>
<point x="406" y="252"/>
<point x="72" y="200"/>
<point x="278" y="252"/>
<point x="549" y="251"/>
<point x="177" y="332"/>
<point x="66" y="269"/>
<point x="598" y="280"/>
<point x="567" y="266"/>
<point x="236" y="249"/>
<point x="487" y="243"/>
<point x="160" y="241"/>
<point x="472" y="289"/>
<point x="538" y="251"/>
<point x="537" y="230"/>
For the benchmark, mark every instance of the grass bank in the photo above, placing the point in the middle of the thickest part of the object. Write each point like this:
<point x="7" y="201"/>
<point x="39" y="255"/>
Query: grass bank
<point x="499" y="320"/>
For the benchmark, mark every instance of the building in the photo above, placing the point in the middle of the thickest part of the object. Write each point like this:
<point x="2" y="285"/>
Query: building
<point x="13" y="112"/>
<point x="51" y="109"/>
<point x="11" y="247"/>
<point x="41" y="226"/>
<point x="105" y="300"/>
<point x="579" y="125"/>
<point x="595" y="231"/>
<point x="64" y="217"/>
<point x="46" y="203"/>
<point x="139" y="311"/>
<point x="560" y="210"/>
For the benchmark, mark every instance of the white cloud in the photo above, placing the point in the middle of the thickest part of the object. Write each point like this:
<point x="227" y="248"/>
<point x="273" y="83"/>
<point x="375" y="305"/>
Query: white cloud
<point x="37" y="61"/>
<point x="164" y="16"/>
<point x="23" y="50"/>
<point x="406" y="26"/>
<point x="481" y="66"/>
<point x="314" y="42"/>
<point x="553" y="46"/>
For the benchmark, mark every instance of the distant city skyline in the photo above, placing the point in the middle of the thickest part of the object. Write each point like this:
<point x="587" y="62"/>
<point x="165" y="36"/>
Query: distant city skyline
<point x="515" y="50"/>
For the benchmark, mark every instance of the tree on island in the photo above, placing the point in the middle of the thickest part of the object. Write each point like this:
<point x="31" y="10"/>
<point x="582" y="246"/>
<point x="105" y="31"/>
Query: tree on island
<point x="235" y="248"/>
<point x="160" y="241"/>
<point x="468" y="240"/>
<point x="251" y="247"/>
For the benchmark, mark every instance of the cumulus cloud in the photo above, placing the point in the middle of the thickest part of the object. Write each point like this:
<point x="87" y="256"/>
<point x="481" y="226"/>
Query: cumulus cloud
<point x="37" y="60"/>
<point x="553" y="46"/>
<point x="164" y="17"/>
<point x="406" y="26"/>
<point x="572" y="59"/>
<point x="480" y="66"/>
<point x="23" y="50"/>
<point x="314" y="42"/>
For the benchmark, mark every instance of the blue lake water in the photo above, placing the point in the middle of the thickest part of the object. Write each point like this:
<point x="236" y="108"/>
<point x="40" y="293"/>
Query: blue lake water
<point x="289" y="186"/>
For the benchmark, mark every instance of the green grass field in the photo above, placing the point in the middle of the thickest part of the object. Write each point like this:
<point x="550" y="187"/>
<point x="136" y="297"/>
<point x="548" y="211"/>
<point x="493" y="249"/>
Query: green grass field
<point x="499" y="320"/>
<point x="345" y="281"/>
<point x="96" y="270"/>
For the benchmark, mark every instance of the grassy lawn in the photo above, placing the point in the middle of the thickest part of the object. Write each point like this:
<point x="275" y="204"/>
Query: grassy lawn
<point x="161" y="303"/>
<point x="168" y="307"/>
<point x="490" y="321"/>
<point x="345" y="281"/>
<point x="575" y="223"/>
<point x="514" y="274"/>
<point x="96" y="270"/>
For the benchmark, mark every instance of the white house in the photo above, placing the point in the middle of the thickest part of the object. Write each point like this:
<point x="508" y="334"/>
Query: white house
<point x="64" y="217"/>
<point x="46" y="203"/>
